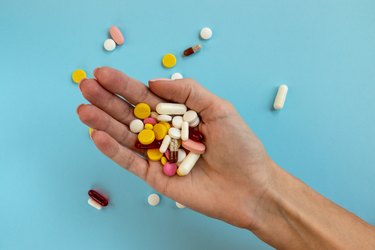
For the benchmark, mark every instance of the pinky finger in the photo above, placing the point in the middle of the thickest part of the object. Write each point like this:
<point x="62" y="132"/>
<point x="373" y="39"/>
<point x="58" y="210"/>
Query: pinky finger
<point x="119" y="154"/>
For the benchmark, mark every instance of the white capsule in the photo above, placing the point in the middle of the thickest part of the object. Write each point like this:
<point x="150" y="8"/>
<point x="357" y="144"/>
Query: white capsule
<point x="176" y="76"/>
<point x="136" y="126"/>
<point x="187" y="164"/>
<point x="190" y="116"/>
<point x="177" y="121"/>
<point x="165" y="144"/>
<point x="179" y="205"/>
<point x="174" y="133"/>
<point x="185" y="131"/>
<point x="164" y="118"/>
<point x="153" y="200"/>
<point x="109" y="45"/>
<point x="94" y="204"/>
<point x="280" y="97"/>
<point x="171" y="108"/>
<point x="195" y="123"/>
<point x="181" y="155"/>
<point x="154" y="115"/>
<point x="206" y="33"/>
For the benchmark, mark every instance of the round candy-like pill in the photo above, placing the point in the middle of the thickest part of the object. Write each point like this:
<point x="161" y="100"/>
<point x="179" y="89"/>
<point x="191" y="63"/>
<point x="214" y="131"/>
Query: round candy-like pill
<point x="169" y="60"/>
<point x="206" y="33"/>
<point x="146" y="136"/>
<point x="179" y="205"/>
<point x="136" y="126"/>
<point x="163" y="160"/>
<point x="160" y="131"/>
<point x="150" y="120"/>
<point x="174" y="133"/>
<point x="109" y="44"/>
<point x="177" y="121"/>
<point x="142" y="110"/>
<point x="116" y="35"/>
<point x="153" y="199"/>
<point x="176" y="76"/>
<point x="149" y="126"/>
<point x="170" y="169"/>
<point x="164" y="118"/>
<point x="154" y="154"/>
<point x="78" y="75"/>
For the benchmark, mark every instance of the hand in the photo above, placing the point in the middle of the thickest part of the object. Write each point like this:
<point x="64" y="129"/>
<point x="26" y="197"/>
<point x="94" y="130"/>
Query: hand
<point x="227" y="182"/>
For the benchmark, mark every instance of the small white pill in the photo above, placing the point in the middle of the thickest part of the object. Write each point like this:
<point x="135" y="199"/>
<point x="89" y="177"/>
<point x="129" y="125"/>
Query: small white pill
<point x="190" y="116"/>
<point x="195" y="123"/>
<point x="164" y="118"/>
<point x="280" y="97"/>
<point x="187" y="164"/>
<point x="174" y="133"/>
<point x="109" y="45"/>
<point x="171" y="108"/>
<point x="179" y="205"/>
<point x="165" y="144"/>
<point x="136" y="126"/>
<point x="176" y="76"/>
<point x="153" y="199"/>
<point x="94" y="204"/>
<point x="181" y="155"/>
<point x="185" y="131"/>
<point x="206" y="33"/>
<point x="177" y="121"/>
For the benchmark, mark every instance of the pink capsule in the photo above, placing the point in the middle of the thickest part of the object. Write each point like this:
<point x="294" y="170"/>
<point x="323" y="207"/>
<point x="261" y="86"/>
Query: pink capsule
<point x="150" y="120"/>
<point x="116" y="35"/>
<point x="195" y="135"/>
<point x="103" y="201"/>
<point x="170" y="169"/>
<point x="154" y="144"/>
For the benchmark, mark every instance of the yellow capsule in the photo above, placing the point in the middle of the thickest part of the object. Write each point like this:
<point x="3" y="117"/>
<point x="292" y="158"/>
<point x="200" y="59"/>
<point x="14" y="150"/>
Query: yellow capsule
<point x="142" y="110"/>
<point x="163" y="160"/>
<point x="154" y="154"/>
<point x="78" y="75"/>
<point x="146" y="136"/>
<point x="169" y="60"/>
<point x="178" y="173"/>
<point x="166" y="124"/>
<point x="160" y="131"/>
<point x="149" y="126"/>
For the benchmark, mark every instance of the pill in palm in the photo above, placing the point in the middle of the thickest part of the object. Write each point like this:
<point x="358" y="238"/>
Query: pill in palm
<point x="171" y="108"/>
<point x="193" y="146"/>
<point x="185" y="131"/>
<point x="177" y="121"/>
<point x="174" y="133"/>
<point x="164" y="118"/>
<point x="280" y="97"/>
<point x="153" y="199"/>
<point x="170" y="169"/>
<point x="136" y="126"/>
<point x="187" y="164"/>
<point x="181" y="155"/>
<point x="165" y="144"/>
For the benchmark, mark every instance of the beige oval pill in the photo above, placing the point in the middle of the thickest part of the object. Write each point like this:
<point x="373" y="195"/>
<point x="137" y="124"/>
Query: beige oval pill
<point x="280" y="97"/>
<point x="116" y="35"/>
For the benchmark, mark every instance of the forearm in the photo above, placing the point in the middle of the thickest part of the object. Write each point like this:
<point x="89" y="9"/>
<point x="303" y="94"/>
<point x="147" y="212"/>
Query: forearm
<point x="293" y="216"/>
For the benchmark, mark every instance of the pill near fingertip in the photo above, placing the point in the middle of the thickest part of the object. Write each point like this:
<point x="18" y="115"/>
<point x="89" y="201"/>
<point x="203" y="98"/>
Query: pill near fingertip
<point x="171" y="108"/>
<point x="185" y="131"/>
<point x="280" y="97"/>
<point x="187" y="164"/>
<point x="193" y="146"/>
<point x="153" y="200"/>
<point x="109" y="44"/>
<point x="164" y="118"/>
<point x="136" y="126"/>
<point x="206" y="33"/>
<point x="116" y="35"/>
<point x="169" y="169"/>
<point x="78" y="75"/>
<point x="174" y="133"/>
<point x="176" y="76"/>
<point x="154" y="115"/>
<point x="179" y="205"/>
<point x="195" y="135"/>
<point x="94" y="204"/>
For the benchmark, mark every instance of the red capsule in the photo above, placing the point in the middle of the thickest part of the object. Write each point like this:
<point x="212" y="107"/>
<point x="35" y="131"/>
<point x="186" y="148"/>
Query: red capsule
<point x="153" y="145"/>
<point x="103" y="201"/>
<point x="192" y="50"/>
<point x="195" y="135"/>
<point x="173" y="151"/>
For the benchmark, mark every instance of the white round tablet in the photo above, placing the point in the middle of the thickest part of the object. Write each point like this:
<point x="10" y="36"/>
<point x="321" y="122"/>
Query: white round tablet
<point x="174" y="133"/>
<point x="109" y="45"/>
<point x="206" y="33"/>
<point x="179" y="205"/>
<point x="177" y="121"/>
<point x="176" y="76"/>
<point x="190" y="116"/>
<point x="136" y="126"/>
<point x="153" y="199"/>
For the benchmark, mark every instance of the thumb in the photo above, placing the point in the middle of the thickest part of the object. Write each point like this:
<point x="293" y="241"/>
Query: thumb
<point x="186" y="91"/>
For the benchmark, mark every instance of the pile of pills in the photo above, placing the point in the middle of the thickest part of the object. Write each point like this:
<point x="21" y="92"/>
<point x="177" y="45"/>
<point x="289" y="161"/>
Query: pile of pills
<point x="170" y="135"/>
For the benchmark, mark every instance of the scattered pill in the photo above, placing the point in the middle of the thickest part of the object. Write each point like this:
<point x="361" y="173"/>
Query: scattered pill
<point x="146" y="136"/>
<point x="280" y="97"/>
<point x="169" y="60"/>
<point x="165" y="144"/>
<point x="96" y="196"/>
<point x="206" y="33"/>
<point x="94" y="204"/>
<point x="149" y="126"/>
<point x="192" y="50"/>
<point x="142" y="110"/>
<point x="153" y="199"/>
<point x="164" y="118"/>
<point x="109" y="44"/>
<point x="169" y="169"/>
<point x="171" y="108"/>
<point x="163" y="160"/>
<point x="150" y="120"/>
<point x="154" y="154"/>
<point x="174" y="133"/>
<point x="177" y="121"/>
<point x="179" y="205"/>
<point x="78" y="75"/>
<point x="187" y="164"/>
<point x="136" y="126"/>
<point x="193" y="146"/>
<point x="176" y="76"/>
<point x="160" y="131"/>
<point x="181" y="155"/>
<point x="116" y="35"/>
<point x="154" y="144"/>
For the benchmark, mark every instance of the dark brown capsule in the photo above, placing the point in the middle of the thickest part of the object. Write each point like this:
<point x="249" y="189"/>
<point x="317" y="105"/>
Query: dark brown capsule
<point x="192" y="50"/>
<point x="103" y="201"/>
<point x="173" y="151"/>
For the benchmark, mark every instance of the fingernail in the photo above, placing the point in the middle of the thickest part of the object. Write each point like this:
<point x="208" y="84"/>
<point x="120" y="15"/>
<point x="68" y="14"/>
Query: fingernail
<point x="79" y="84"/>
<point x="80" y="106"/>
<point x="96" y="71"/>
<point x="159" y="79"/>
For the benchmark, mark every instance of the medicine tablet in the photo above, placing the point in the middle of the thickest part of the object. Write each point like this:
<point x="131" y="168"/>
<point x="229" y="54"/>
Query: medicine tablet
<point x="94" y="204"/>
<point x="177" y="121"/>
<point x="109" y="45"/>
<point x="187" y="164"/>
<point x="185" y="131"/>
<point x="206" y="33"/>
<point x="146" y="136"/>
<point x="171" y="108"/>
<point x="149" y="126"/>
<point x="165" y="144"/>
<point x="280" y="97"/>
<point x="174" y="133"/>
<point x="153" y="199"/>
<point x="116" y="35"/>
<point x="142" y="110"/>
<point x="179" y="205"/>
<point x="164" y="118"/>
<point x="160" y="131"/>
<point x="181" y="155"/>
<point x="169" y="60"/>
<point x="150" y="120"/>
<point x="78" y="75"/>
<point x="136" y="126"/>
<point x="195" y="123"/>
<point x="176" y="76"/>
<point x="170" y="169"/>
<point x="154" y="154"/>
<point x="163" y="160"/>
<point x="154" y="115"/>
<point x="191" y="116"/>
<point x="193" y="146"/>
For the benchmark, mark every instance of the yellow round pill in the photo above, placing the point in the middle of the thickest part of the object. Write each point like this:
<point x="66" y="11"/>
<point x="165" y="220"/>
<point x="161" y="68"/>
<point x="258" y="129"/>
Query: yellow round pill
<point x="166" y="124"/>
<point x="78" y="75"/>
<point x="154" y="154"/>
<point x="169" y="60"/>
<point x="149" y="126"/>
<point x="146" y="136"/>
<point x="142" y="110"/>
<point x="160" y="131"/>
<point x="163" y="160"/>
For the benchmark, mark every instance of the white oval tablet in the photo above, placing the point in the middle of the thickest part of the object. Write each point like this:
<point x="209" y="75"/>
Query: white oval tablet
<point x="185" y="131"/>
<point x="206" y="33"/>
<point x="171" y="108"/>
<point x="153" y="199"/>
<point x="176" y="76"/>
<point x="174" y="133"/>
<point x="165" y="144"/>
<point x="280" y="97"/>
<point x="181" y="155"/>
<point x="179" y="205"/>
<point x="190" y="116"/>
<point x="164" y="118"/>
<point x="109" y="45"/>
<point x="177" y="121"/>
<point x="136" y="126"/>
<point x="187" y="164"/>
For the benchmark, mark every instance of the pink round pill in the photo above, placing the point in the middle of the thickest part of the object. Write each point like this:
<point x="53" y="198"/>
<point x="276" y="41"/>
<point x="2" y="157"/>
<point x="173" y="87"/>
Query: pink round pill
<point x="193" y="146"/>
<point x="150" y="120"/>
<point x="170" y="169"/>
<point x="116" y="35"/>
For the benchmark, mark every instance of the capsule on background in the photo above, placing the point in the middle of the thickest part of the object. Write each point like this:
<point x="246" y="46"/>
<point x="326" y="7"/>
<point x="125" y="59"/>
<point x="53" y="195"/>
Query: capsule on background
<point x="192" y="50"/>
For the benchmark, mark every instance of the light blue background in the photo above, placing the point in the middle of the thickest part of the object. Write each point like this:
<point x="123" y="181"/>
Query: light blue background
<point x="323" y="50"/>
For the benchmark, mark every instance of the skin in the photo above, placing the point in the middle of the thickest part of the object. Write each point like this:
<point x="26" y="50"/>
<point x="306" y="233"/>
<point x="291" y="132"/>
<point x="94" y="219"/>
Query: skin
<point x="234" y="180"/>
